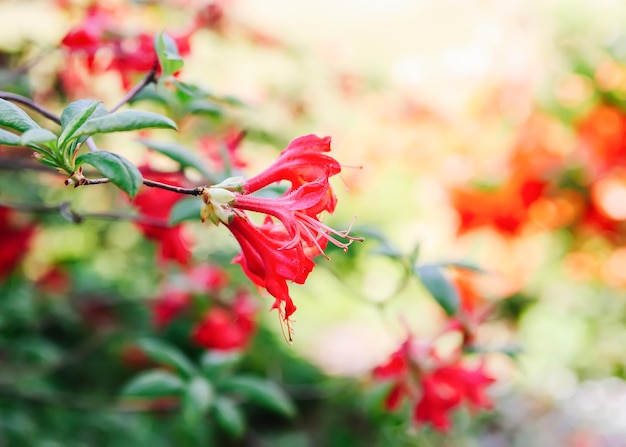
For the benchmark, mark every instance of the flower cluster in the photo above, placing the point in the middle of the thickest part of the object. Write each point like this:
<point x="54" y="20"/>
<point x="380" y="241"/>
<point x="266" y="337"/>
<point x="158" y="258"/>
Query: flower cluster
<point x="283" y="246"/>
<point x="220" y="321"/>
<point x="434" y="386"/>
<point x="105" y="45"/>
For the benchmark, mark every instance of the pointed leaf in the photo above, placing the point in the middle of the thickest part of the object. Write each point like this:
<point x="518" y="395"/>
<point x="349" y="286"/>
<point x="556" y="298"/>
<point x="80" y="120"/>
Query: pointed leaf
<point x="9" y="139"/>
<point x="197" y="399"/>
<point x="75" y="116"/>
<point x="216" y="364"/>
<point x="180" y="154"/>
<point x="167" y="52"/>
<point x="167" y="354"/>
<point x="116" y="168"/>
<point x="124" y="121"/>
<point x="439" y="287"/>
<point x="229" y="417"/>
<point x="15" y="118"/>
<point x="186" y="209"/>
<point x="154" y="383"/>
<point x="37" y="136"/>
<point x="261" y="392"/>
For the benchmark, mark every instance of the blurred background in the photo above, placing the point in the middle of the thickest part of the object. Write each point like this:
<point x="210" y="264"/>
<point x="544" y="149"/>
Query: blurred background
<point x="488" y="132"/>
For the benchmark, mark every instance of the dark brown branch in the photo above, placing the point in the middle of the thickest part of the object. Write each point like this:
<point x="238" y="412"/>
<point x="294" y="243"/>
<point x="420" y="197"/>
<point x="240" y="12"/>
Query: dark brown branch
<point x="30" y="104"/>
<point x="150" y="78"/>
<point x="64" y="209"/>
<point x="197" y="191"/>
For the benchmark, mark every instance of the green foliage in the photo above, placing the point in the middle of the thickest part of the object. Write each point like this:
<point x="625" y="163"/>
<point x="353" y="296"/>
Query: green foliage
<point x="123" y="121"/>
<point x="167" y="355"/>
<point x="167" y="52"/>
<point x="439" y="287"/>
<point x="180" y="154"/>
<point x="13" y="117"/>
<point x="186" y="209"/>
<point x="116" y="168"/>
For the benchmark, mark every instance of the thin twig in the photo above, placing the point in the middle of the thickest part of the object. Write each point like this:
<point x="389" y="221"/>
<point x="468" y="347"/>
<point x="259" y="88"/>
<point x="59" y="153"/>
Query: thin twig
<point x="64" y="209"/>
<point x="30" y="104"/>
<point x="197" y="191"/>
<point x="147" y="80"/>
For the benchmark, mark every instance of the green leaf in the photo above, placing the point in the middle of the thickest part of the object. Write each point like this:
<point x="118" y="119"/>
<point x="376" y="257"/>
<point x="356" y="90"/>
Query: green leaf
<point x="124" y="121"/>
<point x="37" y="136"/>
<point x="198" y="398"/>
<point x="461" y="265"/>
<point x="261" y="392"/>
<point x="229" y="417"/>
<point x="9" y="139"/>
<point x="15" y="118"/>
<point x="75" y="115"/>
<point x="168" y="355"/>
<point x="154" y="383"/>
<point x="180" y="154"/>
<point x="215" y="364"/>
<point x="168" y="55"/>
<point x="78" y="107"/>
<point x="186" y="209"/>
<point x="197" y="106"/>
<point x="439" y="287"/>
<point x="116" y="168"/>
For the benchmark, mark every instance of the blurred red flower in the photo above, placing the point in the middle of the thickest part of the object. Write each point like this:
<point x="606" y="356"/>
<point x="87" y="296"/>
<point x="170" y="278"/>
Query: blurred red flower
<point x="15" y="238"/>
<point x="227" y="329"/>
<point x="157" y="203"/>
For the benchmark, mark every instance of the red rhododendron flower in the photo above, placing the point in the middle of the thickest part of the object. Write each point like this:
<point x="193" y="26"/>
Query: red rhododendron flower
<point x="157" y="203"/>
<point x="15" y="238"/>
<point x="434" y="386"/>
<point x="227" y="329"/>
<point x="282" y="248"/>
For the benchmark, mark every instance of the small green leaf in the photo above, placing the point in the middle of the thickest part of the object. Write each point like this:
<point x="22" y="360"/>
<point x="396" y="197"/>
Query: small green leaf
<point x="116" y="168"/>
<point x="75" y="115"/>
<point x="38" y="136"/>
<point x="168" y="355"/>
<point x="261" y="392"/>
<point x="154" y="383"/>
<point x="168" y="55"/>
<point x="198" y="398"/>
<point x="198" y="106"/>
<point x="9" y="139"/>
<point x="186" y="209"/>
<point x="180" y="154"/>
<point x="15" y="118"/>
<point x="229" y="417"/>
<point x="77" y="108"/>
<point x="216" y="364"/>
<point x="439" y="287"/>
<point x="124" y="121"/>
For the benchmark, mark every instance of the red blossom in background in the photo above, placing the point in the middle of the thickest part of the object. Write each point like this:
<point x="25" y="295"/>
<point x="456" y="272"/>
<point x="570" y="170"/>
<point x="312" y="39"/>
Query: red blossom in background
<point x="434" y="386"/>
<point x="227" y="329"/>
<point x="213" y="149"/>
<point x="107" y="46"/>
<point x="157" y="203"/>
<point x="15" y="238"/>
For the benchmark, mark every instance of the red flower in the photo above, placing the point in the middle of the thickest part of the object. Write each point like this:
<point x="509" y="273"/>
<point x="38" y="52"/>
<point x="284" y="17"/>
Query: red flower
<point x="227" y="329"/>
<point x="602" y="135"/>
<point x="15" y="238"/>
<point x="157" y="203"/>
<point x="171" y="303"/>
<point x="277" y="252"/>
<point x="433" y="386"/>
